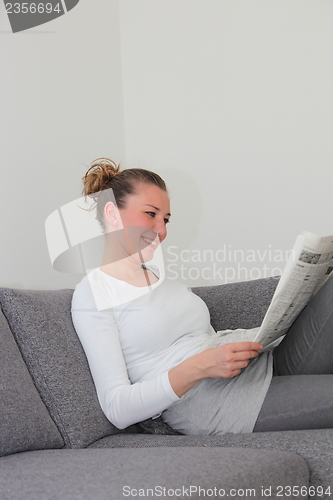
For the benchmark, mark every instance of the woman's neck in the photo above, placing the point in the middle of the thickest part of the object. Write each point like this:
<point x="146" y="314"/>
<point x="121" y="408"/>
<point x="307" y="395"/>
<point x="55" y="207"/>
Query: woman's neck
<point x="131" y="272"/>
<point x="119" y="264"/>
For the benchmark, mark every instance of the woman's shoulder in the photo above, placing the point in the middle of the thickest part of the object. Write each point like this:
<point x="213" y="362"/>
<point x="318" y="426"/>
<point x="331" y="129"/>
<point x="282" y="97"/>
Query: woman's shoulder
<point x="89" y="291"/>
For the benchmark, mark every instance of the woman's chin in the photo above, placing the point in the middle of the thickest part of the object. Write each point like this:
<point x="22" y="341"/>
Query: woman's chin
<point x="147" y="258"/>
<point x="147" y="254"/>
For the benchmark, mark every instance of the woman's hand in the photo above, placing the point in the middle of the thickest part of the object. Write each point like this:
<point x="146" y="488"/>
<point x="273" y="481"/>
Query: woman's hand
<point x="225" y="361"/>
<point x="228" y="360"/>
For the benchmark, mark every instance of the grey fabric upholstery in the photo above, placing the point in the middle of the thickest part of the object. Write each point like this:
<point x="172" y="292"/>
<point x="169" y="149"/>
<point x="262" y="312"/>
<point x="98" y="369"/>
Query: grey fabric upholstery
<point x="111" y="474"/>
<point x="238" y="305"/>
<point x="42" y="325"/>
<point x="25" y="422"/>
<point x="315" y="446"/>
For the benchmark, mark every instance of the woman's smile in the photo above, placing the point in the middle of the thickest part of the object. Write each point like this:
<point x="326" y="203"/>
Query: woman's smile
<point x="149" y="241"/>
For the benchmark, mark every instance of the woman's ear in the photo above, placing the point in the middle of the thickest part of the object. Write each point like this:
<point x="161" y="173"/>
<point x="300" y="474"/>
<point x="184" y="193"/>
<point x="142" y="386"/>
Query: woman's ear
<point x="111" y="214"/>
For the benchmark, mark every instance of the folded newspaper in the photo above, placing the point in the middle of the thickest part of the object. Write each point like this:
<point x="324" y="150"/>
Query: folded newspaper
<point x="309" y="265"/>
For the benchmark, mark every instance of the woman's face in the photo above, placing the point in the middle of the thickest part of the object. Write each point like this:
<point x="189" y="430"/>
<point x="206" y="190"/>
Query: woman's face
<point x="144" y="219"/>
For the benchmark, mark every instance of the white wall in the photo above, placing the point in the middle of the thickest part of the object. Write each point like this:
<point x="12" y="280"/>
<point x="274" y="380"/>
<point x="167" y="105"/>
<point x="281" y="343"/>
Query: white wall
<point x="231" y="100"/>
<point x="61" y="107"/>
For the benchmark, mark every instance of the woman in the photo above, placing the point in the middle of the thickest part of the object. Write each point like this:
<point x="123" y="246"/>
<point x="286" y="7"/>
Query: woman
<point x="143" y="334"/>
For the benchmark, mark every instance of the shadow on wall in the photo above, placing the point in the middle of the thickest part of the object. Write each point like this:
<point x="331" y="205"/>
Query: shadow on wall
<point x="186" y="207"/>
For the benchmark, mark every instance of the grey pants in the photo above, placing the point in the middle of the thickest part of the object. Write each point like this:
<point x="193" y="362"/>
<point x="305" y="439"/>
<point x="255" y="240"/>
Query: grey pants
<point x="301" y="392"/>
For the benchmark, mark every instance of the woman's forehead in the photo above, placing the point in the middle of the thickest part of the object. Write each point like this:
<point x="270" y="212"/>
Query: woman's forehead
<point x="151" y="195"/>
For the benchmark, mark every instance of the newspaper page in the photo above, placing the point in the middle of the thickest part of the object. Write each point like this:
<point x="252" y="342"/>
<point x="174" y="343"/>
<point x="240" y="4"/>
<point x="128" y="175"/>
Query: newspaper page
<point x="304" y="273"/>
<point x="309" y="265"/>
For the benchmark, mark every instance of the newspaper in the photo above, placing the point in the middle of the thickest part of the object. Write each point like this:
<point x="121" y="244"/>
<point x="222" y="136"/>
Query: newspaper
<point x="309" y="265"/>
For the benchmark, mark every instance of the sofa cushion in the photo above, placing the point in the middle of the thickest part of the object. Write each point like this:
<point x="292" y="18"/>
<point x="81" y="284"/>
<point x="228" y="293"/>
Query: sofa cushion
<point x="42" y="325"/>
<point x="25" y="421"/>
<point x="315" y="446"/>
<point x="238" y="305"/>
<point x="156" y="472"/>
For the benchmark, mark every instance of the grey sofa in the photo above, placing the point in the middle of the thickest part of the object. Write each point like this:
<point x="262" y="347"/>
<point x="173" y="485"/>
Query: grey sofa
<point x="57" y="444"/>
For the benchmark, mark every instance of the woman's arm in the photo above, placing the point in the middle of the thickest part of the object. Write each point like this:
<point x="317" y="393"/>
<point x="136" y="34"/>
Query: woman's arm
<point x="225" y="361"/>
<point x="122" y="402"/>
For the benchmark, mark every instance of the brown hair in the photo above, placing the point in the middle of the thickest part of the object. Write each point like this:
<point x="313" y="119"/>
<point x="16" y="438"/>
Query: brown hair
<point x="105" y="174"/>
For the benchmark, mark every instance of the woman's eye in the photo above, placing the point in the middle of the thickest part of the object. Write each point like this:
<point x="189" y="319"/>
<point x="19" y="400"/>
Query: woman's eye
<point x="152" y="214"/>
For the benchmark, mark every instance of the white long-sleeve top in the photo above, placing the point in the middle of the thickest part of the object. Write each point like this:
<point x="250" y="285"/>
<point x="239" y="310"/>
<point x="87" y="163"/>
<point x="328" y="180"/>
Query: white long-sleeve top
<point x="132" y="337"/>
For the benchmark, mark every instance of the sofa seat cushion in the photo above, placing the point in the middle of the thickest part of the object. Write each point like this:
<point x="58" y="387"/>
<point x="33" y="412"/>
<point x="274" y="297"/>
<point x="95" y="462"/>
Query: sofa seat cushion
<point x="25" y="421"/>
<point x="119" y="473"/>
<point x="315" y="446"/>
<point x="42" y="325"/>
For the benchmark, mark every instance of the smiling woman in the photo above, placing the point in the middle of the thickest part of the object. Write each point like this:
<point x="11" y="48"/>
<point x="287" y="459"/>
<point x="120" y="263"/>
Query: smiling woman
<point x="142" y="332"/>
<point x="148" y="338"/>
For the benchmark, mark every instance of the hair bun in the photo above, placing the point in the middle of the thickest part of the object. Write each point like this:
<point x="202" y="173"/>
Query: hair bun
<point x="101" y="172"/>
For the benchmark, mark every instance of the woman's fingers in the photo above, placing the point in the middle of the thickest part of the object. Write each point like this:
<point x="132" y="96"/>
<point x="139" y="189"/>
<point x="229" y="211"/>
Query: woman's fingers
<point x="232" y="358"/>
<point x="225" y="361"/>
<point x="244" y="346"/>
<point x="239" y="350"/>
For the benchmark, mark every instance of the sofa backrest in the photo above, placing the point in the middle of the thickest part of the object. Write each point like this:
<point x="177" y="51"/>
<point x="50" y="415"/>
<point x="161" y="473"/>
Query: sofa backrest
<point x="42" y="326"/>
<point x="25" y="422"/>
<point x="238" y="305"/>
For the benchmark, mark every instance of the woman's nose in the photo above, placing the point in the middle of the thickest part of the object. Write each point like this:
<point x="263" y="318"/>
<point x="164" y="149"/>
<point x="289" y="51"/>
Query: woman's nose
<point x="160" y="229"/>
